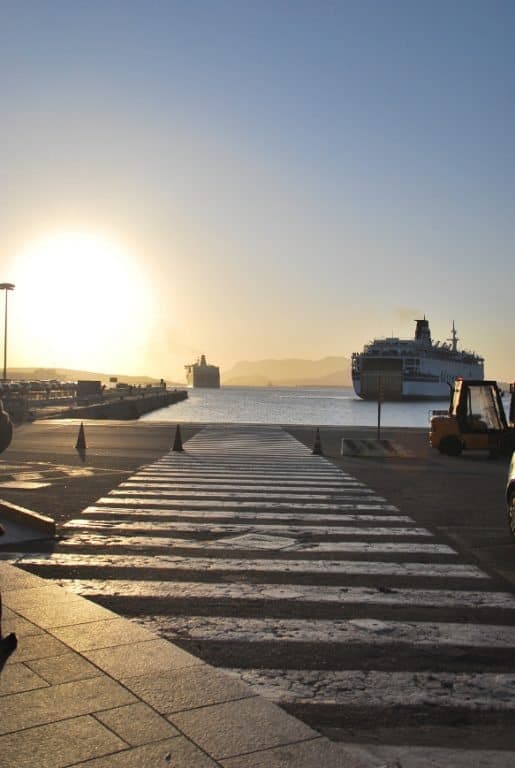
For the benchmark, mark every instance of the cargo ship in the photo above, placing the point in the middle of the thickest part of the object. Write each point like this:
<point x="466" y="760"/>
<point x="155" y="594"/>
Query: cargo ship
<point x="412" y="369"/>
<point x="200" y="374"/>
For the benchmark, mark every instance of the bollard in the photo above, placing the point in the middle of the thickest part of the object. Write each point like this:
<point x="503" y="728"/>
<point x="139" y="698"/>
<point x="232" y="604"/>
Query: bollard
<point x="177" y="443"/>
<point x="317" y="448"/>
<point x="81" y="439"/>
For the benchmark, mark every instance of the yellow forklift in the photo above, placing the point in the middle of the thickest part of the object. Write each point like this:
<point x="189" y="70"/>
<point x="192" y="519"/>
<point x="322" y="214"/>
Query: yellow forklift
<point x="475" y="421"/>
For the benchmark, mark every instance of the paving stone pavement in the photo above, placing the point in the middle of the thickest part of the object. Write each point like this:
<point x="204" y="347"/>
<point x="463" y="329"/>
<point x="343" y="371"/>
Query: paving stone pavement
<point x="254" y="555"/>
<point x="131" y="700"/>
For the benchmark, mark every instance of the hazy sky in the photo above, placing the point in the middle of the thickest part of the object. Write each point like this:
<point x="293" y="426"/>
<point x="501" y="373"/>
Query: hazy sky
<point x="255" y="179"/>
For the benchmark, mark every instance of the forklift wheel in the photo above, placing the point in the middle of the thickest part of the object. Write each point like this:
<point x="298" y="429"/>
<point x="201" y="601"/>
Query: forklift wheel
<point x="451" y="446"/>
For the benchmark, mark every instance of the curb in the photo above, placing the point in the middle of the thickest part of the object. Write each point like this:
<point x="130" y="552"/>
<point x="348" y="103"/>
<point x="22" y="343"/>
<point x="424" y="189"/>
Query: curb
<point x="24" y="516"/>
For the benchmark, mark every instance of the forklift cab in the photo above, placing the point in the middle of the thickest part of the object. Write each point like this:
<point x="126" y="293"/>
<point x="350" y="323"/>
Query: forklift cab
<point x="477" y="407"/>
<point x="475" y="420"/>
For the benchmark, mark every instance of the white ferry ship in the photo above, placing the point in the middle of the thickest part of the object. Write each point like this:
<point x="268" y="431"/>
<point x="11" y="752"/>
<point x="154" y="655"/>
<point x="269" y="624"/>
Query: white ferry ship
<point x="200" y="374"/>
<point x="412" y="369"/>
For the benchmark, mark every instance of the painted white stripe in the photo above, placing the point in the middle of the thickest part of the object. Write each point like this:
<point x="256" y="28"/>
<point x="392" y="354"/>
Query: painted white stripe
<point x="363" y="631"/>
<point x="201" y="475"/>
<point x="278" y="471"/>
<point x="327" y="547"/>
<point x="212" y="453"/>
<point x="173" y="492"/>
<point x="250" y="543"/>
<point x="307" y="567"/>
<point x="193" y="503"/>
<point x="215" y="453"/>
<point x="245" y="516"/>
<point x="278" y="514"/>
<point x="247" y="444"/>
<point x="261" y="449"/>
<point x="298" y="593"/>
<point x="174" y="462"/>
<point x="249" y="463"/>
<point x="222" y="528"/>
<point x="222" y="474"/>
<point x="473" y="691"/>
<point x="137" y="482"/>
<point x="279" y="462"/>
<point x="246" y="543"/>
<point x="253" y="433"/>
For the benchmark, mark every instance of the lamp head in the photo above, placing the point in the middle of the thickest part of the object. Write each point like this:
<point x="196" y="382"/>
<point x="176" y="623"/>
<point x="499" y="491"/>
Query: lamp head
<point x="6" y="286"/>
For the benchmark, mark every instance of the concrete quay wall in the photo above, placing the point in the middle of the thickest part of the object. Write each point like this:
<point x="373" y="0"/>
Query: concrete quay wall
<point x="125" y="407"/>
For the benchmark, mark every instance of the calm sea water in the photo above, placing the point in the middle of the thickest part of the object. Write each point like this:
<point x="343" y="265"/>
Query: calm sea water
<point x="299" y="405"/>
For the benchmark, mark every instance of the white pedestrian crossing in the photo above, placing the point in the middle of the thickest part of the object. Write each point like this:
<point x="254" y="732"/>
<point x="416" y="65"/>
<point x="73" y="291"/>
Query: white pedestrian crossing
<point x="281" y="568"/>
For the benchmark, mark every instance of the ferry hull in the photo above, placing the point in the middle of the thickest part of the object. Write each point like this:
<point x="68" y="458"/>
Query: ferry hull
<point x="396" y="386"/>
<point x="404" y="390"/>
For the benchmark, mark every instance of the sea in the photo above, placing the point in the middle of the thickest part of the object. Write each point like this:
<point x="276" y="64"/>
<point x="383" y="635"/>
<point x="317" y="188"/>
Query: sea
<point x="319" y="406"/>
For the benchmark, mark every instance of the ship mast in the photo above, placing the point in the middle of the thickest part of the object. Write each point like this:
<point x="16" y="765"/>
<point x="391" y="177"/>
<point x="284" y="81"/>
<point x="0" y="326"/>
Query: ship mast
<point x="454" y="338"/>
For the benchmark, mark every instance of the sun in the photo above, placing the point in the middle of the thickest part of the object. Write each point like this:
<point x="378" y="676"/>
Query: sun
<point x="82" y="300"/>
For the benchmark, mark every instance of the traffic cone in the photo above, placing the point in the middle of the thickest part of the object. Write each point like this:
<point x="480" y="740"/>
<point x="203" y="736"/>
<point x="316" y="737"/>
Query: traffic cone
<point x="177" y="443"/>
<point x="317" y="448"/>
<point x="81" y="439"/>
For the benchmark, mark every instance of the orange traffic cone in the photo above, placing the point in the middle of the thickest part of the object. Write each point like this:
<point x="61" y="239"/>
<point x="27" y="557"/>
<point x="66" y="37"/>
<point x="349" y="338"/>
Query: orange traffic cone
<point x="177" y="443"/>
<point x="81" y="439"/>
<point x="317" y="448"/>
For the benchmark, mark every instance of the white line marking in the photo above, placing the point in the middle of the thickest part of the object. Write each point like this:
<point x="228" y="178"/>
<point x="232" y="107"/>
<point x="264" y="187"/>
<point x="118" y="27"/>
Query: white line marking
<point x="246" y="516"/>
<point x="230" y="508"/>
<point x="472" y="691"/>
<point x="439" y="598"/>
<point x="248" y="543"/>
<point x="363" y="631"/>
<point x="308" y="567"/>
<point x="214" y="503"/>
<point x="201" y="475"/>
<point x="221" y="528"/>
<point x="173" y="492"/>
<point x="238" y="486"/>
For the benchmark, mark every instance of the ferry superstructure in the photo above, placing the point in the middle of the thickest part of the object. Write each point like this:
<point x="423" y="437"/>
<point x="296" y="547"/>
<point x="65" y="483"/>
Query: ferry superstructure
<point x="200" y="374"/>
<point x="412" y="369"/>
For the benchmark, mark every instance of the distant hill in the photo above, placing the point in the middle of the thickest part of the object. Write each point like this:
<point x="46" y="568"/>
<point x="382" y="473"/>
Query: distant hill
<point x="289" y="372"/>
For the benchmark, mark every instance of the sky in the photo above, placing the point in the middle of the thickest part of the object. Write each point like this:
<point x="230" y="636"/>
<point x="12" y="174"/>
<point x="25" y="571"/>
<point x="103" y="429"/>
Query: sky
<point x="254" y="179"/>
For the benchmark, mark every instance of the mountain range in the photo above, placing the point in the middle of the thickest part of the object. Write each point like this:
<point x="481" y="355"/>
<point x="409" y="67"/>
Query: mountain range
<point x="289" y="372"/>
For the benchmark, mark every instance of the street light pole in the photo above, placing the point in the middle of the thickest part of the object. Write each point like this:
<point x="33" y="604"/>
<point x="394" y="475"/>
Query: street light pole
<point x="6" y="287"/>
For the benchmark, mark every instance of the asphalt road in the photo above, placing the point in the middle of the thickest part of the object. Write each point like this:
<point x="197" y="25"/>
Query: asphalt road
<point x="208" y="566"/>
<point x="462" y="498"/>
<point x="44" y="452"/>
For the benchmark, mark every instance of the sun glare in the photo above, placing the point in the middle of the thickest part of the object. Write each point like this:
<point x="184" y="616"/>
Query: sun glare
<point x="81" y="301"/>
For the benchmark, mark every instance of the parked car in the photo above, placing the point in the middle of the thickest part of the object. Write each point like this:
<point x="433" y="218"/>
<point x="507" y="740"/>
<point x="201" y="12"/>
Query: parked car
<point x="510" y="496"/>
